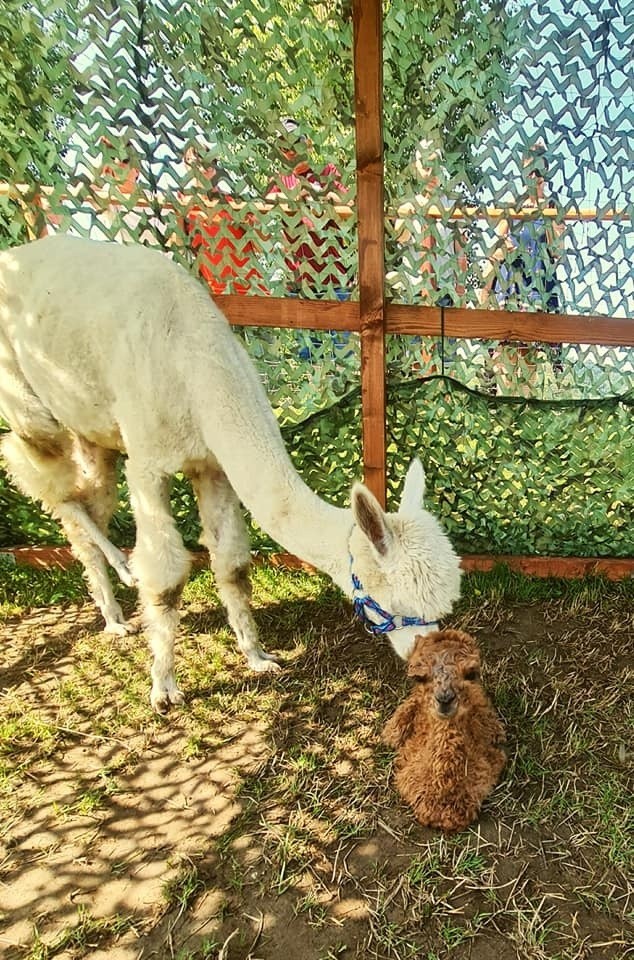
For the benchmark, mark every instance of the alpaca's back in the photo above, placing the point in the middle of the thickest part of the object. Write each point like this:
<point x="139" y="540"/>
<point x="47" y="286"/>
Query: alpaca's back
<point x="81" y="320"/>
<point x="120" y="345"/>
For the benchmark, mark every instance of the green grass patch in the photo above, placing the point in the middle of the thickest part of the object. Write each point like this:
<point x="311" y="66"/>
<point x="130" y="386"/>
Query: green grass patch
<point x="508" y="586"/>
<point x="24" y="587"/>
<point x="88" y="933"/>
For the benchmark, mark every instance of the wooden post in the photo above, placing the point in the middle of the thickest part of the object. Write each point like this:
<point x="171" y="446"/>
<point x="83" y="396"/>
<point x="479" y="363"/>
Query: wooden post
<point x="368" y="95"/>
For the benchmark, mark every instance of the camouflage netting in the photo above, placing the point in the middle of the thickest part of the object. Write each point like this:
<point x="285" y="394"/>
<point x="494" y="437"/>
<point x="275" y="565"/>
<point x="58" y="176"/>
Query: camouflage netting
<point x="498" y="472"/>
<point x="223" y="133"/>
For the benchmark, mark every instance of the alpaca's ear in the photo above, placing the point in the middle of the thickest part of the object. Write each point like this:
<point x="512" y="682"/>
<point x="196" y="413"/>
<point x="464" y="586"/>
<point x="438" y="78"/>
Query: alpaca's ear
<point x="418" y="663"/>
<point x="413" y="490"/>
<point x="369" y="515"/>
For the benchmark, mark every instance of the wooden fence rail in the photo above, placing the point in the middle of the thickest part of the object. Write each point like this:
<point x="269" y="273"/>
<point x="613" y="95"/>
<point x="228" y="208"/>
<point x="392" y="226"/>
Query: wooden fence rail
<point x="431" y="321"/>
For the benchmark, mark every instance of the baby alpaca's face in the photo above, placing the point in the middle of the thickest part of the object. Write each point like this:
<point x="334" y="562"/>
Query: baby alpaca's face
<point x="448" y="670"/>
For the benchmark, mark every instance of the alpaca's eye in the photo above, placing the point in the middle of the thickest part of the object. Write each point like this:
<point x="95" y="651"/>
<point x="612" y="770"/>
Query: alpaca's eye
<point x="472" y="675"/>
<point x="420" y="678"/>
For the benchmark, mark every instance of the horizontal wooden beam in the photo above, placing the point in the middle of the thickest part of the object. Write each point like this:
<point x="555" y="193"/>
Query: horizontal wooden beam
<point x="109" y="195"/>
<point x="428" y="321"/>
<point x="510" y="325"/>
<point x="507" y="212"/>
<point x="289" y="312"/>
<point x="570" y="568"/>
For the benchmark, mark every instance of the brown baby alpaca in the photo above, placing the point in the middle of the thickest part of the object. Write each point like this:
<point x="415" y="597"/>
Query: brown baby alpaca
<point x="447" y="733"/>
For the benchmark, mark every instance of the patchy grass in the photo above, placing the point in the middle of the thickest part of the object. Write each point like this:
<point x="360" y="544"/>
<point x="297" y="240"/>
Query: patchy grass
<point x="23" y="587"/>
<point x="260" y="819"/>
<point x="86" y="934"/>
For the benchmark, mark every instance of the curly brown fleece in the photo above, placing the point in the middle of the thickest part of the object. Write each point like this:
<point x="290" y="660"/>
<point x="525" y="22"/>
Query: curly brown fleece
<point x="447" y="733"/>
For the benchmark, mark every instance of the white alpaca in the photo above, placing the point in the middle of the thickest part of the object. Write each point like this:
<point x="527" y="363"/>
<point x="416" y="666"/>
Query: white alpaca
<point x="107" y="349"/>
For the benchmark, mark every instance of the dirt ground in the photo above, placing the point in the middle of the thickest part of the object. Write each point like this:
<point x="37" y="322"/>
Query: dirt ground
<point x="260" y="821"/>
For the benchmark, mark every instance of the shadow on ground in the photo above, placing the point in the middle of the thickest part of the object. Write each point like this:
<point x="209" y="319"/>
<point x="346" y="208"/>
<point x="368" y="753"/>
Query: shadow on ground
<point x="259" y="820"/>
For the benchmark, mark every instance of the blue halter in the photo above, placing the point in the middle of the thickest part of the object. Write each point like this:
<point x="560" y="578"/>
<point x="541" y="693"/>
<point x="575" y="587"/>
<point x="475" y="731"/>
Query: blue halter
<point x="363" y="602"/>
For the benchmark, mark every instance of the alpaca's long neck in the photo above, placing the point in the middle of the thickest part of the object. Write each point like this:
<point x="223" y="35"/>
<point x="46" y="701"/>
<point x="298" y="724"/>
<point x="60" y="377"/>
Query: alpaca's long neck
<point x="291" y="513"/>
<point x="241" y="431"/>
<point x="304" y="524"/>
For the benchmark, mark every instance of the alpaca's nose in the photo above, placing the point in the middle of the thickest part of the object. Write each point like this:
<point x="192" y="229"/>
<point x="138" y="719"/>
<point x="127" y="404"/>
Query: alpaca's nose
<point x="445" y="698"/>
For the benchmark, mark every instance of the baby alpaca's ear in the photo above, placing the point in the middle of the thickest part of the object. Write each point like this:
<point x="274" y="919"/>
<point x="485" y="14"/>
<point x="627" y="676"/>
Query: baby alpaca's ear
<point x="418" y="663"/>
<point x="418" y="670"/>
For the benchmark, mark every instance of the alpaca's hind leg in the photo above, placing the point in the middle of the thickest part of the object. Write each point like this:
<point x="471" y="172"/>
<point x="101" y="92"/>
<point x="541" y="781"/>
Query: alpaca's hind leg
<point x="160" y="564"/>
<point x="48" y="472"/>
<point x="73" y="512"/>
<point x="225" y="536"/>
<point x="73" y="520"/>
<point x="97" y="490"/>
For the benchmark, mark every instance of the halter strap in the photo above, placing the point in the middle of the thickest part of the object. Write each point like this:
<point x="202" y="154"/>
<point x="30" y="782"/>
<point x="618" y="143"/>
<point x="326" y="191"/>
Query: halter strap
<point x="387" y="622"/>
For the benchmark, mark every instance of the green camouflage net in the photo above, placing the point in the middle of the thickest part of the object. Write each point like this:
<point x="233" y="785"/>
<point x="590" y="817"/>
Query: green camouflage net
<point x="224" y="134"/>
<point x="518" y="193"/>
<point x="505" y="476"/>
<point x="181" y="125"/>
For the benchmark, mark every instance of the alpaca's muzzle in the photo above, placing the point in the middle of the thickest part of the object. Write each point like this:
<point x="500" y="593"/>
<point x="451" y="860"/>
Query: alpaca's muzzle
<point x="446" y="702"/>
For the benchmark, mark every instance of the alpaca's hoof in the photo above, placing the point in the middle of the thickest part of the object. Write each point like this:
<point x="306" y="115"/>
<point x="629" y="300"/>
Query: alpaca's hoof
<point x="117" y="624"/>
<point x="119" y="563"/>
<point x="264" y="663"/>
<point x="162" y="699"/>
<point x="124" y="573"/>
<point x="120" y="628"/>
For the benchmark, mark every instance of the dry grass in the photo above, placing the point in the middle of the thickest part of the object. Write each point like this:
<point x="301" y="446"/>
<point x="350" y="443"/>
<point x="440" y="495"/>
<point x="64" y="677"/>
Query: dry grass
<point x="260" y="821"/>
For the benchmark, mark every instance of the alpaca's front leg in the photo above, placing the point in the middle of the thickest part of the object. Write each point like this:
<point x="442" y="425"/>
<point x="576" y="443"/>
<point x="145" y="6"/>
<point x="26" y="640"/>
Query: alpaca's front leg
<point x="400" y="726"/>
<point x="235" y="592"/>
<point x="225" y="535"/>
<point x="161" y="620"/>
<point x="160" y="564"/>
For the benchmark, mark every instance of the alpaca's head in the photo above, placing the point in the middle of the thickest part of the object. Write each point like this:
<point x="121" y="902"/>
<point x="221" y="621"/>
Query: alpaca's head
<point x="446" y="664"/>
<point x="404" y="561"/>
